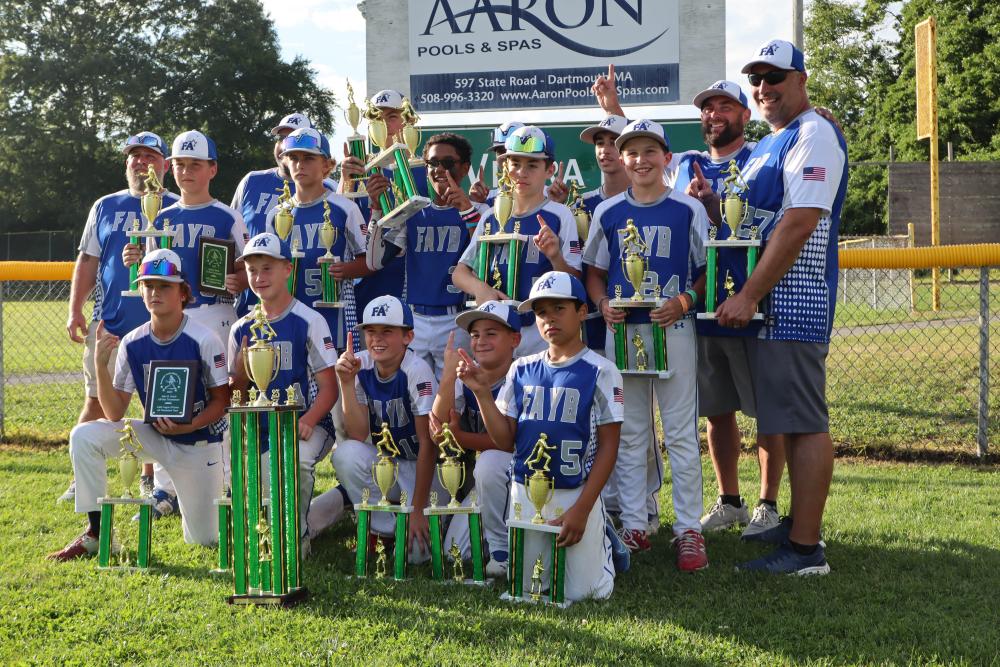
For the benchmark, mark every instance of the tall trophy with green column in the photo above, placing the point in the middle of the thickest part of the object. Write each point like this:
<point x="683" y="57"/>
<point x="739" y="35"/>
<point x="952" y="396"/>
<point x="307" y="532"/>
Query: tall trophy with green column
<point x="734" y="212"/>
<point x="266" y="535"/>
<point x="128" y="468"/>
<point x="331" y="294"/>
<point x="354" y="187"/>
<point x="151" y="203"/>
<point x="394" y="156"/>
<point x="494" y="240"/>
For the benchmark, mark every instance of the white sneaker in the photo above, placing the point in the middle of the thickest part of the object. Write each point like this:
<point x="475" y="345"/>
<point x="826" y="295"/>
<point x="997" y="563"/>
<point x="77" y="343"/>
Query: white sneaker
<point x="496" y="569"/>
<point x="722" y="516"/>
<point x="69" y="495"/>
<point x="764" y="518"/>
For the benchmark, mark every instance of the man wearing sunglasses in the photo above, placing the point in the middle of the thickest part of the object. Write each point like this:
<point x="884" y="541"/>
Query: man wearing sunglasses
<point x="797" y="178"/>
<point x="99" y="265"/>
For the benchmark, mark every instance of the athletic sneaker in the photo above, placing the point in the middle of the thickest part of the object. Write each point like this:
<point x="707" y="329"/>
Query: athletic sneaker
<point x="497" y="567"/>
<point x="691" y="555"/>
<point x="785" y="560"/>
<point x="621" y="557"/>
<point x="723" y="515"/>
<point x="764" y="517"/>
<point x="84" y="545"/>
<point x="635" y="540"/>
<point x="776" y="534"/>
<point x="165" y="504"/>
<point x="146" y="486"/>
<point x="69" y="495"/>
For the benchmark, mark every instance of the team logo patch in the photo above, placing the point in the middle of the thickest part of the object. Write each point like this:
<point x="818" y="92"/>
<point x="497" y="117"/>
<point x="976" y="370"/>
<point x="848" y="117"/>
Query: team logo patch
<point x="769" y="50"/>
<point x="642" y="127"/>
<point x="380" y="310"/>
<point x="384" y="97"/>
<point x="488" y="308"/>
<point x="294" y="120"/>
<point x="607" y="122"/>
<point x="424" y="389"/>
<point x="261" y="243"/>
<point x="188" y="145"/>
<point x="719" y="86"/>
<point x="548" y="283"/>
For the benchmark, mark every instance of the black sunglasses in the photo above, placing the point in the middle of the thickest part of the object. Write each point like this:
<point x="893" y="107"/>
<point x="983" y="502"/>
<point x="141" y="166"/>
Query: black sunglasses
<point x="447" y="163"/>
<point x="772" y="78"/>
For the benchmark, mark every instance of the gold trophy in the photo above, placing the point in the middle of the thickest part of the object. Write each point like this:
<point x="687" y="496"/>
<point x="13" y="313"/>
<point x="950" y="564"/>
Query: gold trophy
<point x="503" y="205"/>
<point x="128" y="462"/>
<point x="283" y="218"/>
<point x="354" y="187"/>
<point x="397" y="155"/>
<point x="331" y="288"/>
<point x="451" y="470"/>
<point x="150" y="204"/>
<point x="327" y="232"/>
<point x="128" y="468"/>
<point x="152" y="198"/>
<point x="385" y="469"/>
<point x="411" y="133"/>
<point x="634" y="262"/>
<point x="260" y="360"/>
<point x="458" y="567"/>
<point x="733" y="209"/>
<point x="491" y="241"/>
<point x="580" y="214"/>
<point x="539" y="485"/>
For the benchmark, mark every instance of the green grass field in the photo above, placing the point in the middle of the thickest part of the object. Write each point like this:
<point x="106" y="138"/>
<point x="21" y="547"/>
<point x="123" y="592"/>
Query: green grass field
<point x="913" y="549"/>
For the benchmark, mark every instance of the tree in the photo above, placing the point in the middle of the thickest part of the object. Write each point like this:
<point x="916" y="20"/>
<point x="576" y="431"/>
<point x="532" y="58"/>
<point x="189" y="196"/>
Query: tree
<point x="79" y="76"/>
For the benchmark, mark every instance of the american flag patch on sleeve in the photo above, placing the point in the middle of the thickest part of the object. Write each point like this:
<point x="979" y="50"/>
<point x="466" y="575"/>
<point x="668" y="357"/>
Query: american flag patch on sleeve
<point x="327" y="343"/>
<point x="219" y="360"/>
<point x="814" y="174"/>
<point x="619" y="395"/>
<point x="574" y="247"/>
<point x="424" y="389"/>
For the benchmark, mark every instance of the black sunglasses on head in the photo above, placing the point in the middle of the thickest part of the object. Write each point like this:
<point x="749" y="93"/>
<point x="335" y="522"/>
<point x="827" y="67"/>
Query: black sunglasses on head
<point x="772" y="78"/>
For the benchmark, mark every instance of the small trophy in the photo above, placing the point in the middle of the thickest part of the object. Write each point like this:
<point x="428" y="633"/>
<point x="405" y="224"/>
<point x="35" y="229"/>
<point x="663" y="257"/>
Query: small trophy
<point x="128" y="468"/>
<point x="331" y="286"/>
<point x="491" y="243"/>
<point x="152" y="202"/>
<point x="735" y="212"/>
<point x="451" y="473"/>
<point x="384" y="473"/>
<point x="411" y="133"/>
<point x="354" y="188"/>
<point x="260" y="360"/>
<point x="580" y="214"/>
<point x="396" y="157"/>
<point x="635" y="268"/>
<point x="540" y="489"/>
<point x="283" y="218"/>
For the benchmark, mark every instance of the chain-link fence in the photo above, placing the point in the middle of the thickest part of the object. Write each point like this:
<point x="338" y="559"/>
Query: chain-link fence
<point x="902" y="377"/>
<point x="49" y="246"/>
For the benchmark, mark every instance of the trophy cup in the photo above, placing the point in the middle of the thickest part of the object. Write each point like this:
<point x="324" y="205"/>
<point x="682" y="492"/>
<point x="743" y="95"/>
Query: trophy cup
<point x="492" y="242"/>
<point x="283" y="218"/>
<point x="580" y="214"/>
<point x="635" y="266"/>
<point x="331" y="286"/>
<point x="384" y="474"/>
<point x="395" y="157"/>
<point x="260" y="360"/>
<point x="411" y="133"/>
<point x="354" y="187"/>
<point x="151" y="203"/>
<point x="128" y="468"/>
<point x="735" y="212"/>
<point x="540" y="489"/>
<point x="451" y="473"/>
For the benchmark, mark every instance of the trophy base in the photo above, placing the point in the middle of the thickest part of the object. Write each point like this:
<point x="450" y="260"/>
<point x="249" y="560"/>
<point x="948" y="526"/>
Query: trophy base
<point x="416" y="162"/>
<point x="328" y="304"/>
<point x="395" y="509"/>
<point x="399" y="215"/>
<point x="289" y="599"/>
<point x="130" y="292"/>
<point x="504" y="237"/>
<point x="297" y="254"/>
<point x="637" y="303"/>
<point x="712" y="316"/>
<point x="151" y="234"/>
<point x="357" y="194"/>
<point x="131" y="569"/>
<point x="444" y="510"/>
<point x="125" y="501"/>
<point x="537" y="527"/>
<point x="733" y="243"/>
<point x="267" y="407"/>
<point x="471" y="303"/>
<point x="332" y="259"/>
<point x="654" y="375"/>
<point x="507" y="597"/>
<point x="385" y="158"/>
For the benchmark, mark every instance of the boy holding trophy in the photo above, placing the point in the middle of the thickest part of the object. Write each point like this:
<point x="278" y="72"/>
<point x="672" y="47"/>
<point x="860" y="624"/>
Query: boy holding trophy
<point x="659" y="230"/>
<point x="560" y="413"/>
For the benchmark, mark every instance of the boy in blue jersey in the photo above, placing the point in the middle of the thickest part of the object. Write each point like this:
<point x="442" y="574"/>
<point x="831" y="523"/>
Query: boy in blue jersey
<point x="433" y="240"/>
<point x="495" y="332"/>
<point x="388" y="384"/>
<point x="306" y="356"/>
<point x="671" y="225"/>
<point x="554" y="243"/>
<point x="99" y="266"/>
<point x="797" y="179"/>
<point x="573" y="397"/>
<point x="191" y="453"/>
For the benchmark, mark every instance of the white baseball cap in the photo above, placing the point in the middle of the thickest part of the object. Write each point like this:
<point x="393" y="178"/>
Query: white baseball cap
<point x="780" y="54"/>
<point x="491" y="310"/>
<point x="642" y="128"/>
<point x="387" y="99"/>
<point x="611" y="123"/>
<point x="292" y="121"/>
<point x="501" y="132"/>
<point x="195" y="145"/>
<point x="387" y="311"/>
<point x="264" y="243"/>
<point x="161" y="264"/>
<point x="531" y="141"/>
<point x="554" y="285"/>
<point x="306" y="140"/>
<point x="725" y="88"/>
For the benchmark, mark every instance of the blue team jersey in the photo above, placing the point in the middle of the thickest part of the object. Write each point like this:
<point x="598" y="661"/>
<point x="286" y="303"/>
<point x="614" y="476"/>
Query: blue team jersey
<point x="104" y="237"/>
<point x="533" y="263"/>
<point x="672" y="229"/>
<point x="304" y="346"/>
<point x="803" y="165"/>
<point x="192" y="342"/>
<point x="470" y="417"/>
<point x="190" y="223"/>
<point x="349" y="243"/>
<point x="397" y="399"/>
<point x="566" y="401"/>
<point x="435" y="238"/>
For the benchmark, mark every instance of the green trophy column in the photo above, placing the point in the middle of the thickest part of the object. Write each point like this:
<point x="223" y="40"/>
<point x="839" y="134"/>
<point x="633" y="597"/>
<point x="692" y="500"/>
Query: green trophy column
<point x="275" y="448"/>
<point x="476" y="545"/>
<point x="513" y="267"/>
<point x="621" y="352"/>
<point x="145" y="535"/>
<point x="133" y="270"/>
<point x="437" y="558"/>
<point x="361" y="551"/>
<point x="107" y="529"/>
<point x="659" y="347"/>
<point x="751" y="259"/>
<point x="290" y="477"/>
<point x="225" y="537"/>
<point x="711" y="278"/>
<point x="482" y="266"/>
<point x="515" y="575"/>
<point x="253" y="502"/>
<point x="405" y="177"/>
<point x="399" y="560"/>
<point x="557" y="579"/>
<point x="236" y="486"/>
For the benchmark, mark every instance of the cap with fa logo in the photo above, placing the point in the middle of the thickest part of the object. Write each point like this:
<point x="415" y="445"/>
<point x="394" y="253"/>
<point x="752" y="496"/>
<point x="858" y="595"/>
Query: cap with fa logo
<point x="306" y="140"/>
<point x="724" y="88"/>
<point x="554" y="285"/>
<point x="193" y="144"/>
<point x="387" y="311"/>
<point x="611" y="123"/>
<point x="149" y="140"/>
<point x="502" y="132"/>
<point x="161" y="264"/>
<point x="780" y="54"/>
<point x="293" y="121"/>
<point x="265" y="243"/>
<point x="491" y="310"/>
<point x="642" y="128"/>
<point x="387" y="99"/>
<point x="531" y="141"/>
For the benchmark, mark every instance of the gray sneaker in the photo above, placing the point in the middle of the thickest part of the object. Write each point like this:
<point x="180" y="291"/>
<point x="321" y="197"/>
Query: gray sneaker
<point x="69" y="495"/>
<point x="764" y="518"/>
<point x="722" y="516"/>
